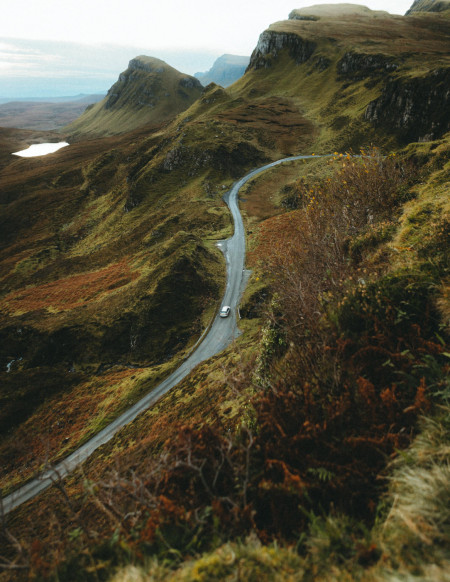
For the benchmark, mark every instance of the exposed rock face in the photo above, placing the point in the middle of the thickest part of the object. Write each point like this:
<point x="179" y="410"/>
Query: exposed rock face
<point x="271" y="43"/>
<point x="429" y="6"/>
<point x="415" y="109"/>
<point x="357" y="66"/>
<point x="190" y="83"/>
<point x="226" y="70"/>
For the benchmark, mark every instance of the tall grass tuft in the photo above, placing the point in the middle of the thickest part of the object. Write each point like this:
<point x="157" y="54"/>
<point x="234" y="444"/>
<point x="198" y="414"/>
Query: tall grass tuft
<point x="416" y="531"/>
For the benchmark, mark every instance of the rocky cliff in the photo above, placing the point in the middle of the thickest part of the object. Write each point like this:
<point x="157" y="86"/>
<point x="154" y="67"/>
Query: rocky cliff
<point x="147" y="81"/>
<point x="416" y="109"/>
<point x="271" y="43"/>
<point x="361" y="72"/>
<point x="358" y="66"/>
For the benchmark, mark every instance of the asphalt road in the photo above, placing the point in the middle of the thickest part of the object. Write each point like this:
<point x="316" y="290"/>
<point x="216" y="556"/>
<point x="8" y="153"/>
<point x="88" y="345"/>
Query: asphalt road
<point x="221" y="333"/>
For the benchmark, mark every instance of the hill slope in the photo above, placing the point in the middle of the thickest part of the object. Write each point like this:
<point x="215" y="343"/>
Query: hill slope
<point x="149" y="91"/>
<point x="118" y="223"/>
<point x="287" y="435"/>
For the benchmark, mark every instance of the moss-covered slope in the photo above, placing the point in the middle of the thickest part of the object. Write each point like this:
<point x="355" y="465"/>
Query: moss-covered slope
<point x="99" y="270"/>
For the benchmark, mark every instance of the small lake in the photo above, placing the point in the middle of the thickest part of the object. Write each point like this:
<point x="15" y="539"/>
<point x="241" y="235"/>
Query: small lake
<point x="41" y="149"/>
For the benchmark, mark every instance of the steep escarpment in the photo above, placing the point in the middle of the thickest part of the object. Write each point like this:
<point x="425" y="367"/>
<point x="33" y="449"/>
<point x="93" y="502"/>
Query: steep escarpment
<point x="358" y="74"/>
<point x="149" y="91"/>
<point x="142" y="84"/>
<point x="415" y="109"/>
<point x="270" y="44"/>
<point x="357" y="66"/>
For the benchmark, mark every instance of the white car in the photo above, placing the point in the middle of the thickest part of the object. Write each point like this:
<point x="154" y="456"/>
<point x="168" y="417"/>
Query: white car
<point x="225" y="311"/>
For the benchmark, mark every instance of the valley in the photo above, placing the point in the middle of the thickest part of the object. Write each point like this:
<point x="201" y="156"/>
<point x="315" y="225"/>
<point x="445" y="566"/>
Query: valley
<point x="42" y="115"/>
<point x="112" y="273"/>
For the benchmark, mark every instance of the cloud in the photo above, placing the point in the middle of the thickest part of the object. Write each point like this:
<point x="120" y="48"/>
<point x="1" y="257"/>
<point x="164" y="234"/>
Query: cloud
<point x="17" y="60"/>
<point x="52" y="68"/>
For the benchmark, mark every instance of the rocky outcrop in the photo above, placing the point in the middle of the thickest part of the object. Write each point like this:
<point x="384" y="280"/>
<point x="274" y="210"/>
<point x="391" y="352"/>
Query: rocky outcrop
<point x="190" y="83"/>
<point x="224" y="158"/>
<point x="327" y="11"/>
<point x="415" y="109"/>
<point x="358" y="66"/>
<point x="271" y="43"/>
<point x="429" y="6"/>
<point x="148" y="64"/>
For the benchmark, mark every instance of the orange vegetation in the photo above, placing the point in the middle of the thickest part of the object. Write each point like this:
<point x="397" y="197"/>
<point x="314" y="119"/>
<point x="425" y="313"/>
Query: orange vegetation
<point x="71" y="292"/>
<point x="274" y="233"/>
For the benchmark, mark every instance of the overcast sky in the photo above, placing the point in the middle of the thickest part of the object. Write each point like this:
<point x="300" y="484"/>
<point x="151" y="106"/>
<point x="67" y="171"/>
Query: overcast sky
<point x="231" y="26"/>
<point x="57" y="57"/>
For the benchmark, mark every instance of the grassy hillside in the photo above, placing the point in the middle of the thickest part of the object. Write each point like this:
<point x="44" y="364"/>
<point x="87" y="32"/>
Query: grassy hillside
<point x="94" y="289"/>
<point x="316" y="447"/>
<point x="103" y="249"/>
<point x="287" y="436"/>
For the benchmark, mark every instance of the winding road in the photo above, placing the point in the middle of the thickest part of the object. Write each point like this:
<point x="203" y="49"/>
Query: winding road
<point x="221" y="333"/>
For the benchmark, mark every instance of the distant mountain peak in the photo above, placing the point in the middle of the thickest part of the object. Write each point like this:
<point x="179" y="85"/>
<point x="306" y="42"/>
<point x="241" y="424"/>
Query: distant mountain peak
<point x="226" y="70"/>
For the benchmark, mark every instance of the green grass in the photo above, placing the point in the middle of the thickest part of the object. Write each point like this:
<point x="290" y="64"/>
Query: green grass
<point x="250" y="561"/>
